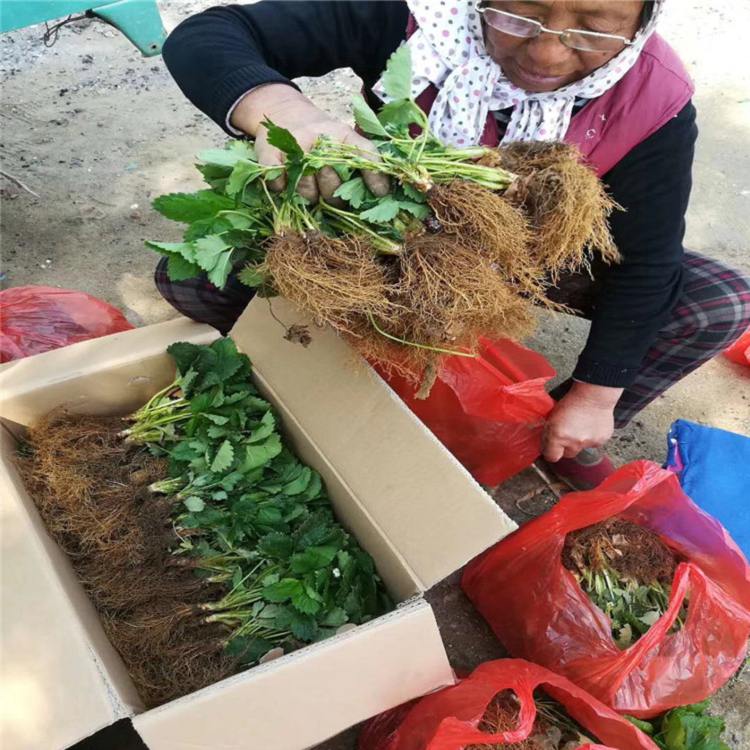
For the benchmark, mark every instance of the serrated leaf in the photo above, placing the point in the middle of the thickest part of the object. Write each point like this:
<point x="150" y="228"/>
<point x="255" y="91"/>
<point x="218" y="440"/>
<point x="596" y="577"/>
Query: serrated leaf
<point x="190" y="207"/>
<point x="367" y="119"/>
<point x="219" y="274"/>
<point x="298" y="485"/>
<point x="208" y="251"/>
<point x="194" y="504"/>
<point x="282" y="590"/>
<point x="313" y="558"/>
<point x="402" y="112"/>
<point x="397" y="75"/>
<point x="251" y="276"/>
<point x="335" y="618"/>
<point x="221" y="157"/>
<point x="385" y="210"/>
<point x="243" y="172"/>
<point x="419" y="210"/>
<point x="304" y="603"/>
<point x="184" y="354"/>
<point x="282" y="139"/>
<point x="262" y="453"/>
<point x="264" y="429"/>
<point x="276" y="545"/>
<point x="185" y="249"/>
<point x="179" y="269"/>
<point x="223" y="458"/>
<point x="412" y="193"/>
<point x="303" y="626"/>
<point x="354" y="191"/>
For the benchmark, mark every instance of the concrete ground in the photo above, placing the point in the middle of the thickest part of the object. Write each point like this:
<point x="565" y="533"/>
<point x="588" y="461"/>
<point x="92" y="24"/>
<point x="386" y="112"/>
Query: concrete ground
<point x="97" y="131"/>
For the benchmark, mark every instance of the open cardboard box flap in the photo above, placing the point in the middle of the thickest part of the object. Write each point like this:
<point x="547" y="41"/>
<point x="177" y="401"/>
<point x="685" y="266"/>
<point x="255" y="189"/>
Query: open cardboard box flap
<point x="437" y="516"/>
<point x="431" y="513"/>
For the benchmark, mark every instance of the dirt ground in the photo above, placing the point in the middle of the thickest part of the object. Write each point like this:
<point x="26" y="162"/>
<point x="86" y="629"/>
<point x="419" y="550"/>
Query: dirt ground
<point x="97" y="131"/>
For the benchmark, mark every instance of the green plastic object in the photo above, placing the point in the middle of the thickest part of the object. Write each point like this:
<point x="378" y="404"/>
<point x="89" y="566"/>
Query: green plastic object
<point x="138" y="20"/>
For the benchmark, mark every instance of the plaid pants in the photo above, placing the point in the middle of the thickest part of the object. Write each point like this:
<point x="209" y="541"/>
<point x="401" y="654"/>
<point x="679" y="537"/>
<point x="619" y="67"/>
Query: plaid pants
<point x="713" y="311"/>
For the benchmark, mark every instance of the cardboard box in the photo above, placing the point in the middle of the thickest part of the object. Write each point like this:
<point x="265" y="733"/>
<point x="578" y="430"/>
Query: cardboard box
<point x="405" y="498"/>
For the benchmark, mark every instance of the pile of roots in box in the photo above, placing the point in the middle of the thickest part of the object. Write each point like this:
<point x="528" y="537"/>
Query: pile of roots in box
<point x="553" y="728"/>
<point x="92" y="491"/>
<point x="202" y="541"/>
<point x="627" y="571"/>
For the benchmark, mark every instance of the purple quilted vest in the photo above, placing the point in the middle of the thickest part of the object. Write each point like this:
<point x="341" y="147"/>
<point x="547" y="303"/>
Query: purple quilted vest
<point x="653" y="91"/>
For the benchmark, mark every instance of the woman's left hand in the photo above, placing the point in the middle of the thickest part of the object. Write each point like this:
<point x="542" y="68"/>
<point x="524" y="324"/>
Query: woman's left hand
<point x="583" y="418"/>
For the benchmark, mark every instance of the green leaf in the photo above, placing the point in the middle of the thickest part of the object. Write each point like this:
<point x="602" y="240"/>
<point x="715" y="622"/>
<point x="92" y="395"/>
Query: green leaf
<point x="190" y="207"/>
<point x="219" y="274"/>
<point x="413" y="194"/>
<point x="208" y="250"/>
<point x="246" y="650"/>
<point x="223" y="458"/>
<point x="251" y="276"/>
<point x="298" y="485"/>
<point x="397" y="75"/>
<point x="198" y="229"/>
<point x="304" y="603"/>
<point x="402" y="112"/>
<point x="221" y="157"/>
<point x="335" y="618"/>
<point x="194" y="504"/>
<point x="262" y="453"/>
<point x="354" y="191"/>
<point x="420" y="210"/>
<point x="276" y="546"/>
<point x="303" y="626"/>
<point x="645" y="726"/>
<point x="366" y="119"/>
<point x="185" y="249"/>
<point x="264" y="429"/>
<point x="179" y="269"/>
<point x="313" y="558"/>
<point x="282" y="139"/>
<point x="282" y="590"/>
<point x="243" y="172"/>
<point x="184" y="354"/>
<point x="385" y="210"/>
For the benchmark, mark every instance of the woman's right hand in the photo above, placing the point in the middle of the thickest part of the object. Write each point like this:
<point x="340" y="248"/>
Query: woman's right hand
<point x="288" y="108"/>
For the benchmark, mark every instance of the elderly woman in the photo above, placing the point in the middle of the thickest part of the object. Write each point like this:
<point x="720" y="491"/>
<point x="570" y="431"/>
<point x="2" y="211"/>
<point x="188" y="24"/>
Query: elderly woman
<point x="591" y="72"/>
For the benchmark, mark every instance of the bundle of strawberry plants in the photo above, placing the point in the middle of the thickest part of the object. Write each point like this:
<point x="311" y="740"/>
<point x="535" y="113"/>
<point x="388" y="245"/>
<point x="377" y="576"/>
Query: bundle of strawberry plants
<point x="462" y="246"/>
<point x="553" y="728"/>
<point x="627" y="571"/>
<point x="202" y="540"/>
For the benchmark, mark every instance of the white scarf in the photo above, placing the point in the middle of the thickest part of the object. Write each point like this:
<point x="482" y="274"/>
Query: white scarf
<point x="448" y="50"/>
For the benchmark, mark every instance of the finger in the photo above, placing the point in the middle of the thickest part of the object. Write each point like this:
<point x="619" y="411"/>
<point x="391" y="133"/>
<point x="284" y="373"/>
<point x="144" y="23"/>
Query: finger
<point x="307" y="187"/>
<point x="328" y="183"/>
<point x="571" y="451"/>
<point x="552" y="451"/>
<point x="377" y="183"/>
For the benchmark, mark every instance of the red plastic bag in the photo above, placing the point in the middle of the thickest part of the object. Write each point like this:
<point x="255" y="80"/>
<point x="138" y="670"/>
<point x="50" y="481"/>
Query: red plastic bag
<point x="539" y="612"/>
<point x="739" y="351"/>
<point x="35" y="319"/>
<point x="447" y="719"/>
<point x="489" y="411"/>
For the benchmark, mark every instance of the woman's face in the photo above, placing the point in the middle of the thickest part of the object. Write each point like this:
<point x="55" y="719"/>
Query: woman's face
<point x="544" y="63"/>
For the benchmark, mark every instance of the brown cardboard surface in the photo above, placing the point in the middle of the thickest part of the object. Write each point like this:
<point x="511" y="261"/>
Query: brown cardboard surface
<point x="136" y="362"/>
<point x="429" y="507"/>
<point x="310" y="695"/>
<point x="55" y="692"/>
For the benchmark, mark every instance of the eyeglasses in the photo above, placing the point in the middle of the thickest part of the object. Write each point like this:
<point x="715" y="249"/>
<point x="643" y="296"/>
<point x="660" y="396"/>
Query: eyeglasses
<point x="527" y="28"/>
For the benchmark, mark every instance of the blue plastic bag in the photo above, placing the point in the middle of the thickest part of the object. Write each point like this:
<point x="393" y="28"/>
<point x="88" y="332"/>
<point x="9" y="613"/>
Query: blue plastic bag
<point x="714" y="470"/>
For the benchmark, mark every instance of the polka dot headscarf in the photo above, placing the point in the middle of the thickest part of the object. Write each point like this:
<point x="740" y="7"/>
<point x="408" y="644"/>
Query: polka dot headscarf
<point x="448" y="51"/>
